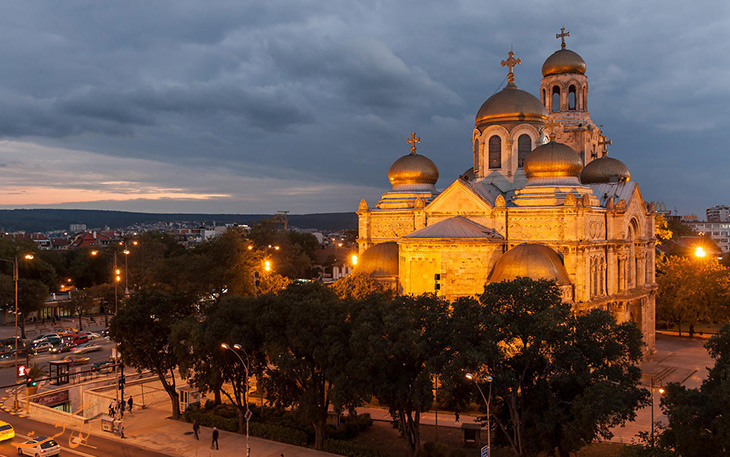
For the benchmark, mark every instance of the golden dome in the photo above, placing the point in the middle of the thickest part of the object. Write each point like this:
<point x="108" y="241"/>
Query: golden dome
<point x="551" y="160"/>
<point x="413" y="169"/>
<point x="511" y="104"/>
<point x="564" y="61"/>
<point x="534" y="261"/>
<point x="379" y="260"/>
<point x="603" y="170"/>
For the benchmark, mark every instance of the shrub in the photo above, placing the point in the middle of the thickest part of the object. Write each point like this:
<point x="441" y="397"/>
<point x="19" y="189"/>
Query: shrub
<point x="226" y="411"/>
<point x="432" y="449"/>
<point x="278" y="433"/>
<point x="352" y="449"/>
<point x="457" y="453"/>
<point x="211" y="420"/>
<point x="209" y="404"/>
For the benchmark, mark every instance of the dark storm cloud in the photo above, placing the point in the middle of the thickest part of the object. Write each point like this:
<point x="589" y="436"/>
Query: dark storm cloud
<point x="330" y="89"/>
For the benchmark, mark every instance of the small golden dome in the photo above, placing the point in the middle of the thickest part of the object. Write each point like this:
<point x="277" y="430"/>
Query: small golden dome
<point x="511" y="104"/>
<point x="534" y="261"/>
<point x="603" y="170"/>
<point x="564" y="61"/>
<point x="379" y="260"/>
<point x="552" y="160"/>
<point x="413" y="169"/>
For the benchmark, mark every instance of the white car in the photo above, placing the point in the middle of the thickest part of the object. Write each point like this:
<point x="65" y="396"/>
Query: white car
<point x="45" y="337"/>
<point x="40" y="445"/>
<point x="86" y="347"/>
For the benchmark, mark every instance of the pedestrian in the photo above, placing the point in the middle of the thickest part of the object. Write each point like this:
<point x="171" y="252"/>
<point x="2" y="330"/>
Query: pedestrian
<point x="130" y="402"/>
<point x="121" y="429"/>
<point x="215" y="439"/>
<point x="111" y="408"/>
<point x="196" y="429"/>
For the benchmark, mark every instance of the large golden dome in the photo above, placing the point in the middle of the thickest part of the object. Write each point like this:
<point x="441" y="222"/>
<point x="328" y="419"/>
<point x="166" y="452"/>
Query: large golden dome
<point x="564" y="61"/>
<point x="511" y="104"/>
<point x="603" y="170"/>
<point x="534" y="261"/>
<point x="552" y="160"/>
<point x="380" y="260"/>
<point x="413" y="169"/>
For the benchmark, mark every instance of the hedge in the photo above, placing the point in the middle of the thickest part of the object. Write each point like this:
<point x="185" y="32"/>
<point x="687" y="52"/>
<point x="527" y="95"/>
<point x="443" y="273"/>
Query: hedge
<point x="352" y="449"/>
<point x="267" y="431"/>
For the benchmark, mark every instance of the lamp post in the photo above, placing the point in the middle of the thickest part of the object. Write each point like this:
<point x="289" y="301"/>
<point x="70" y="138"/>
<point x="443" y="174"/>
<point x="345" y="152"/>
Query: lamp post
<point x="14" y="262"/>
<point x="661" y="391"/>
<point x="117" y="279"/>
<point x="247" y="415"/>
<point x="471" y="377"/>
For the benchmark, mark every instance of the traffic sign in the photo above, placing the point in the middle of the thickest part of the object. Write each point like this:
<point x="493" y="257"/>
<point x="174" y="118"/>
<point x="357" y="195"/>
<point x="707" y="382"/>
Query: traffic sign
<point x="485" y="451"/>
<point x="22" y="371"/>
<point x="248" y="414"/>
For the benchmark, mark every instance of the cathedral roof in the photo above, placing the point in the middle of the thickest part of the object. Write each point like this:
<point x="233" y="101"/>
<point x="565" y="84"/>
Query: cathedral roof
<point x="618" y="190"/>
<point x="413" y="169"/>
<point x="605" y="169"/>
<point x="535" y="261"/>
<point x="379" y="260"/>
<point x="564" y="61"/>
<point x="511" y="104"/>
<point x="455" y="227"/>
<point x="552" y="160"/>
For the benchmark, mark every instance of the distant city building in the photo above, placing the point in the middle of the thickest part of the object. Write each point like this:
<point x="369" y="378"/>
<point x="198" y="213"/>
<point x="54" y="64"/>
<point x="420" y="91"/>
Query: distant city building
<point x="75" y="228"/>
<point x="689" y="218"/>
<point x="720" y="213"/>
<point x="719" y="232"/>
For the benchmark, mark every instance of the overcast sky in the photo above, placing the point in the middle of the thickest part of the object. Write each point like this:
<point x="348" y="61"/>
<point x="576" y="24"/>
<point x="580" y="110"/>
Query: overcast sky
<point x="258" y="106"/>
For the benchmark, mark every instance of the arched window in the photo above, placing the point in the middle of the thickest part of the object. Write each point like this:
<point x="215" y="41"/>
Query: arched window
<point x="543" y="96"/>
<point x="601" y="275"/>
<point x="584" y="101"/>
<point x="556" y="99"/>
<point x="524" y="146"/>
<point x="495" y="152"/>
<point x="594" y="268"/>
<point x="571" y="98"/>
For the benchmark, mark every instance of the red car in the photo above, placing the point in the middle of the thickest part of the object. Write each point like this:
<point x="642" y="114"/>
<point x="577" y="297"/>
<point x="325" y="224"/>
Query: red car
<point x="81" y="338"/>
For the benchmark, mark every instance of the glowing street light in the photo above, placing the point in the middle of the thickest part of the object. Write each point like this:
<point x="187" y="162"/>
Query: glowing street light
<point x="661" y="391"/>
<point x="247" y="416"/>
<point x="471" y="377"/>
<point x="700" y="252"/>
<point x="267" y="265"/>
<point x="354" y="259"/>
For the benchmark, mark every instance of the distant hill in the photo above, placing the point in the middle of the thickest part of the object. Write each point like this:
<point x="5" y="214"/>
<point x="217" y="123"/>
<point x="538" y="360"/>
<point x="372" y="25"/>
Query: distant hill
<point x="43" y="220"/>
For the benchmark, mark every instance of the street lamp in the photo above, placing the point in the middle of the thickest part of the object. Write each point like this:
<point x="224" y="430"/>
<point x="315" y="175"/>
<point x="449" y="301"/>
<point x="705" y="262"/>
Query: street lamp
<point x="471" y="377"/>
<point x="700" y="252"/>
<point x="661" y="391"/>
<point x="117" y="279"/>
<point x="14" y="262"/>
<point x="247" y="416"/>
<point x="354" y="259"/>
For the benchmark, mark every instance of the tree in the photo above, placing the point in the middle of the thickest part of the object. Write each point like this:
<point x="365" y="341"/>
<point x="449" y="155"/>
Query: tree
<point x="143" y="331"/>
<point x="32" y="295"/>
<point x="560" y="380"/>
<point x="661" y="229"/>
<point x="699" y="419"/>
<point x="307" y="334"/>
<point x="104" y="295"/>
<point x="401" y="346"/>
<point x="691" y="290"/>
<point x="357" y="286"/>
<point x="80" y="302"/>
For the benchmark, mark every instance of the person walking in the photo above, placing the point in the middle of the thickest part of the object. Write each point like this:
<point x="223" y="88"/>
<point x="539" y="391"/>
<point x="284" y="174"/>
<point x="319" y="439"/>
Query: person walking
<point x="111" y="408"/>
<point x="196" y="429"/>
<point x="121" y="429"/>
<point x="215" y="439"/>
<point x="130" y="402"/>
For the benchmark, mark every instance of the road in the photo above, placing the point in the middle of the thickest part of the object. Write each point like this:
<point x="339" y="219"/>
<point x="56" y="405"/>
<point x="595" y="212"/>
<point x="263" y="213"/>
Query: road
<point x="94" y="446"/>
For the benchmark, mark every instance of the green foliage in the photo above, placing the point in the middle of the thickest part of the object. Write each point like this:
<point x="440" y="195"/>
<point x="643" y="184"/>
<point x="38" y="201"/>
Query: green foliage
<point x="699" y="419"/>
<point x="352" y="449"/>
<point x="357" y="286"/>
<point x="265" y="431"/>
<point x="560" y="380"/>
<point x="692" y="290"/>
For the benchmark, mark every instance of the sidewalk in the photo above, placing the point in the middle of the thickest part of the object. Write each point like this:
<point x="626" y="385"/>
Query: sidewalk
<point x="151" y="428"/>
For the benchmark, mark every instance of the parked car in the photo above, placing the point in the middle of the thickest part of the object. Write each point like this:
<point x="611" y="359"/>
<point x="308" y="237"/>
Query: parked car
<point x="44" y="337"/>
<point x="93" y="335"/>
<point x="81" y="338"/>
<point x="86" y="347"/>
<point x="40" y="445"/>
<point x="63" y="347"/>
<point x="43" y="346"/>
<point x="75" y="360"/>
<point x="6" y="431"/>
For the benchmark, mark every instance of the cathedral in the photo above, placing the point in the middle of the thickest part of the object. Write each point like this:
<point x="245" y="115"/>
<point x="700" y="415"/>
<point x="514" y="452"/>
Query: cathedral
<point x="542" y="199"/>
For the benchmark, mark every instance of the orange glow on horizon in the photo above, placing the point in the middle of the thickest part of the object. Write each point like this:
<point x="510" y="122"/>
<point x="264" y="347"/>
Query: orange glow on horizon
<point x="40" y="195"/>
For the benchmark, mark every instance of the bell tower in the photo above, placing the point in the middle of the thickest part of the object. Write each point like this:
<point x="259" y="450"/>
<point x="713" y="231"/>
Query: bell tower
<point x="564" y="93"/>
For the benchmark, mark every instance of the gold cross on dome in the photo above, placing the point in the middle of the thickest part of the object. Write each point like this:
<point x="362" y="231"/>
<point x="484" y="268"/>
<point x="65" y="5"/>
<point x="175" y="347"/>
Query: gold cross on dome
<point x="562" y="36"/>
<point x="412" y="141"/>
<point x="550" y="126"/>
<point x="511" y="62"/>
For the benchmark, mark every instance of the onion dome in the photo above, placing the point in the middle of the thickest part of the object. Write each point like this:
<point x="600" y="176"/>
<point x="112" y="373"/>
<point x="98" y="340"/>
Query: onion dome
<point x="413" y="169"/>
<point x="380" y="260"/>
<point x="604" y="170"/>
<point x="552" y="160"/>
<point x="534" y="261"/>
<point x="564" y="61"/>
<point x="511" y="104"/>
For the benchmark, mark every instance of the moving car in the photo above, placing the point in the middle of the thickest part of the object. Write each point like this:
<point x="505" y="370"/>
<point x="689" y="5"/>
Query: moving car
<point x="86" y="347"/>
<point x="40" y="445"/>
<point x="68" y="331"/>
<point x="6" y="431"/>
<point x="75" y="360"/>
<point x="81" y="338"/>
<point x="105" y="366"/>
<point x="63" y="347"/>
<point x="44" y="337"/>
